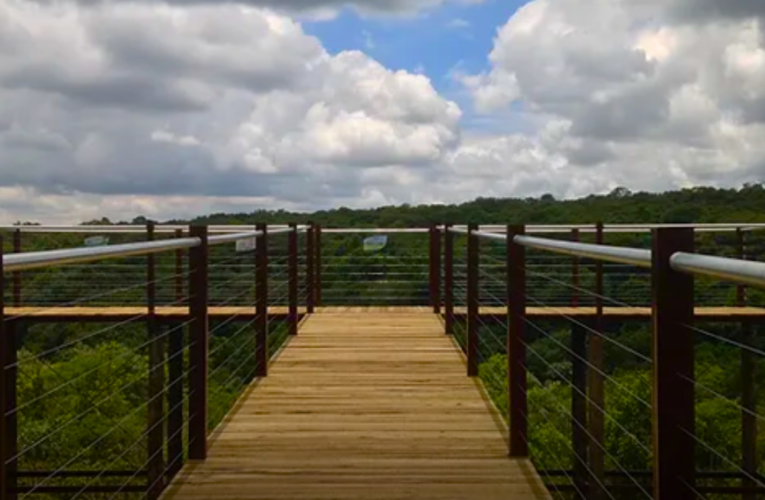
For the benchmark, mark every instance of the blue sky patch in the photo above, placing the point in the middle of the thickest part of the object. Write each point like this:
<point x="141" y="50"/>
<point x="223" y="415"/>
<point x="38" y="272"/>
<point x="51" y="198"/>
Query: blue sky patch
<point x="455" y="36"/>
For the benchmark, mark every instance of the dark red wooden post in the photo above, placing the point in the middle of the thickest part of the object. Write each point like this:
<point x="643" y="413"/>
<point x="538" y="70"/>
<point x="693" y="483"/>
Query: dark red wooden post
<point x="175" y="401"/>
<point x="17" y="274"/>
<point x="448" y="280"/>
<point x="435" y="268"/>
<point x="175" y="453"/>
<point x="596" y="421"/>
<point x="5" y="445"/>
<point x="575" y="272"/>
<point x="309" y="269"/>
<point x="156" y="407"/>
<point x="516" y="349"/>
<point x="292" y="266"/>
<point x="748" y="388"/>
<point x="472" y="302"/>
<point x="673" y="357"/>
<point x="179" y="270"/>
<point x="198" y="343"/>
<point x="261" y="302"/>
<point x="579" y="439"/>
<point x="317" y="265"/>
<point x="151" y="278"/>
<point x="7" y="404"/>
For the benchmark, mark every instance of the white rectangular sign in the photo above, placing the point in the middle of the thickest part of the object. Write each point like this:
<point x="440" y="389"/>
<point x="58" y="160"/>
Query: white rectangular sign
<point x="247" y="245"/>
<point x="96" y="241"/>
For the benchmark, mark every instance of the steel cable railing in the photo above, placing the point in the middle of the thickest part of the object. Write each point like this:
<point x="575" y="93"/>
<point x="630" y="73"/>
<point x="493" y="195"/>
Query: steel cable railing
<point x="622" y="380"/>
<point x="355" y="272"/>
<point x="110" y="405"/>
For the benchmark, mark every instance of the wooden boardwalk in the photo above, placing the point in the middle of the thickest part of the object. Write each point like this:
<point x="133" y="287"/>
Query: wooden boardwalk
<point x="360" y="407"/>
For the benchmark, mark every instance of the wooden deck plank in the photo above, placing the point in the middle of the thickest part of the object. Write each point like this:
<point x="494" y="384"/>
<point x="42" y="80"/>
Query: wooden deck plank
<point x="363" y="406"/>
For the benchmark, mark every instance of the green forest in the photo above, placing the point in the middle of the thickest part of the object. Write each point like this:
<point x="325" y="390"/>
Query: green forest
<point x="82" y="388"/>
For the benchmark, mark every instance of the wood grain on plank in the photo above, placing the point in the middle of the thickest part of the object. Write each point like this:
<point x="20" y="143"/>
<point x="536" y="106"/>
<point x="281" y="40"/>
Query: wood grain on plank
<point x="363" y="405"/>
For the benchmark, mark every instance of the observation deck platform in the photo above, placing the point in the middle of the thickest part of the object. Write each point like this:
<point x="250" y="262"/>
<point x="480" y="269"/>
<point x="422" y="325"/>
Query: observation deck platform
<point x="361" y="405"/>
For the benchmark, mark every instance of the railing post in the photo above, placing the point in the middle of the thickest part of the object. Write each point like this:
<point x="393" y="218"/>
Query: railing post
<point x="435" y="268"/>
<point x="175" y="401"/>
<point x="156" y="407"/>
<point x="595" y="419"/>
<point x="5" y="445"/>
<point x="17" y="274"/>
<point x="579" y="406"/>
<point x="516" y="347"/>
<point x="151" y="278"/>
<point x="309" y="271"/>
<point x="448" y="280"/>
<point x="472" y="302"/>
<point x="317" y="265"/>
<point x="292" y="265"/>
<point x="175" y="453"/>
<point x="8" y="417"/>
<point x="179" y="271"/>
<point x="575" y="272"/>
<point x="673" y="372"/>
<point x="261" y="302"/>
<point x="748" y="388"/>
<point x="198" y="342"/>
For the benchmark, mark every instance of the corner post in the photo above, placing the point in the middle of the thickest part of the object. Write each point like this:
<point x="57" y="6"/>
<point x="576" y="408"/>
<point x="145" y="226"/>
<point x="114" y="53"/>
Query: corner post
<point x="575" y="272"/>
<point x="198" y="343"/>
<point x="261" y="302"/>
<point x="156" y="408"/>
<point x="748" y="387"/>
<point x="595" y="419"/>
<point x="8" y="420"/>
<point x="292" y="265"/>
<point x="5" y="445"/>
<point x="317" y="265"/>
<point x="175" y="401"/>
<point x="516" y="348"/>
<point x="579" y="438"/>
<point x="435" y="268"/>
<point x="179" y="270"/>
<point x="673" y="372"/>
<point x="472" y="302"/>
<point x="17" y="274"/>
<point x="310" y="254"/>
<point x="448" y="280"/>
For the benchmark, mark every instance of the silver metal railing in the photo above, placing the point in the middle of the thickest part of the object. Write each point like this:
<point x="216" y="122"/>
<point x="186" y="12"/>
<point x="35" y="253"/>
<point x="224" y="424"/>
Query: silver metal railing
<point x="36" y="260"/>
<point x="734" y="270"/>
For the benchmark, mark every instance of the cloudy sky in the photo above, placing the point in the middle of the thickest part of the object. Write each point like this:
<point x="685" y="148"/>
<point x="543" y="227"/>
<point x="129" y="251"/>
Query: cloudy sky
<point x="181" y="107"/>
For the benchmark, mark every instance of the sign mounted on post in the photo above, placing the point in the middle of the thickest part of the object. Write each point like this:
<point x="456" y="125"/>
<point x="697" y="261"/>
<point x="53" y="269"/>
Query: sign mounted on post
<point x="96" y="241"/>
<point x="247" y="245"/>
<point x="375" y="243"/>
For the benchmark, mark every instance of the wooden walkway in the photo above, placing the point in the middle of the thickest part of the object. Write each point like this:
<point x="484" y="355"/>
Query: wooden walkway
<point x="361" y="407"/>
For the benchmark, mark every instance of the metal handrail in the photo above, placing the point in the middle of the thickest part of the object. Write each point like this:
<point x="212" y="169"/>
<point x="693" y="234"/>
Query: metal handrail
<point x="81" y="255"/>
<point x="375" y="230"/>
<point x="132" y="228"/>
<point x="738" y="271"/>
<point x="622" y="255"/>
<point x="530" y="229"/>
<point x="734" y="270"/>
<point x="233" y="238"/>
<point x="36" y="260"/>
<point x="622" y="228"/>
